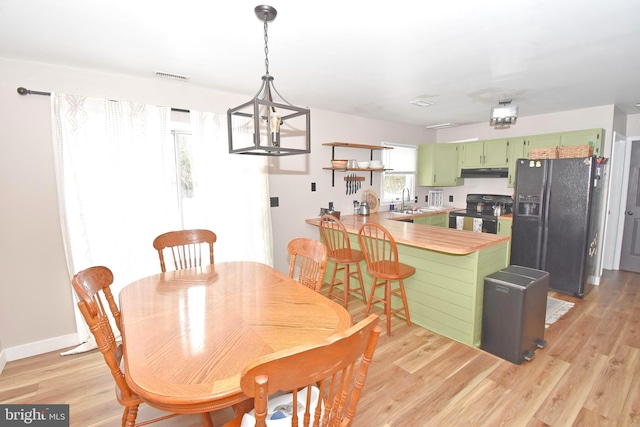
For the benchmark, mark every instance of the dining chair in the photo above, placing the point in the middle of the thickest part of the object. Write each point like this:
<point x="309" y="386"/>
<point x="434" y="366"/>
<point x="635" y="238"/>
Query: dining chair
<point x="186" y="247"/>
<point x="327" y="379"/>
<point x="309" y="257"/>
<point x="381" y="255"/>
<point x="335" y="237"/>
<point x="92" y="286"/>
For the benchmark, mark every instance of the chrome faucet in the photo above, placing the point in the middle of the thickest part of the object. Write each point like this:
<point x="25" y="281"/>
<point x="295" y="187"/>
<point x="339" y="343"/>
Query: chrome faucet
<point x="402" y="207"/>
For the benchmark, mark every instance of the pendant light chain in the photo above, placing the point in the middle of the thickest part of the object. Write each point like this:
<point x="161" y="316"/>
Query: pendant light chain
<point x="266" y="47"/>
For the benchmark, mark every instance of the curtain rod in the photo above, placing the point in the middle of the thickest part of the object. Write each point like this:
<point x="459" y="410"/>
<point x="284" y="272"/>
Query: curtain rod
<point x="24" y="91"/>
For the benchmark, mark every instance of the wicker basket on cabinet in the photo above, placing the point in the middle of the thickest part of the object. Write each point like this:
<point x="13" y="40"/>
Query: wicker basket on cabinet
<point x="572" y="151"/>
<point x="543" y="153"/>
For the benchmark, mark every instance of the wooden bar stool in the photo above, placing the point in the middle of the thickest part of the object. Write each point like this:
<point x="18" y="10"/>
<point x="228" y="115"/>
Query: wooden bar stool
<point x="381" y="255"/>
<point x="335" y="237"/>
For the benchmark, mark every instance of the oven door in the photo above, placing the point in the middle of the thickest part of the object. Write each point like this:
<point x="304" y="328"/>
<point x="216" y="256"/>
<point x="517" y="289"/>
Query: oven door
<point x="489" y="223"/>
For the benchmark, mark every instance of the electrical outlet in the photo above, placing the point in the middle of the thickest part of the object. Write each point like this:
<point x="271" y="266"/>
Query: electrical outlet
<point x="275" y="202"/>
<point x="450" y="199"/>
<point x="426" y="199"/>
<point x="313" y="186"/>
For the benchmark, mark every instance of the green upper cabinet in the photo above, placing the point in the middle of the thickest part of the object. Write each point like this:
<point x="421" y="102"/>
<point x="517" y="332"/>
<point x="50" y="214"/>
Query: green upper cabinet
<point x="492" y="153"/>
<point x="540" y="141"/>
<point x="471" y="154"/>
<point x="516" y="151"/>
<point x="591" y="137"/>
<point x="438" y="165"/>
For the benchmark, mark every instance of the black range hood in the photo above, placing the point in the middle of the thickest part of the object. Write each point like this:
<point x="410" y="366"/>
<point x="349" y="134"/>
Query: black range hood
<point x="484" y="173"/>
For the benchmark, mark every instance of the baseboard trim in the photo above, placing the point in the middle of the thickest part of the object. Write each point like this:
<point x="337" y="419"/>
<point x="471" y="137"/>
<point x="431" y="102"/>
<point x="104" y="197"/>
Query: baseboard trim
<point x="39" y="347"/>
<point x="3" y="360"/>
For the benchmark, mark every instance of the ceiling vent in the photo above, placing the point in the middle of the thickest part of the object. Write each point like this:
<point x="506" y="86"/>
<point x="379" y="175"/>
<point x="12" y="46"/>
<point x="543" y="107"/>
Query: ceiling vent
<point x="443" y="126"/>
<point x="421" y="103"/>
<point x="171" y="76"/>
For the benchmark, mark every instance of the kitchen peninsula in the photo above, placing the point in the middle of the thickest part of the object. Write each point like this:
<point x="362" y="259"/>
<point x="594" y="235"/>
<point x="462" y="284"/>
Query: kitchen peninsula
<point x="446" y="293"/>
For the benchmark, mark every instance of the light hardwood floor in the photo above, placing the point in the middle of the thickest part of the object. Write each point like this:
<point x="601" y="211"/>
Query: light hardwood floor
<point x="588" y="375"/>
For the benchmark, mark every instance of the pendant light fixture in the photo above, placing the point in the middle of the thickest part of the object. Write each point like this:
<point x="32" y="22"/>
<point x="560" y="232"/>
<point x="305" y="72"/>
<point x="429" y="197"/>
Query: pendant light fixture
<point x="504" y="115"/>
<point x="268" y="126"/>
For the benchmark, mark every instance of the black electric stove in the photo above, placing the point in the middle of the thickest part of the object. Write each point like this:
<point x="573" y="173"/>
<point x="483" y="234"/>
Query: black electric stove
<point x="481" y="207"/>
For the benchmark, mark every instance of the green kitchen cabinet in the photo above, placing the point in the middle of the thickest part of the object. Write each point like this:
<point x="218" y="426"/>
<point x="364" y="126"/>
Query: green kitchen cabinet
<point x="439" y="220"/>
<point x="504" y="228"/>
<point x="516" y="151"/>
<point x="491" y="153"/>
<point x="438" y="165"/>
<point x="540" y="141"/>
<point x="591" y="137"/>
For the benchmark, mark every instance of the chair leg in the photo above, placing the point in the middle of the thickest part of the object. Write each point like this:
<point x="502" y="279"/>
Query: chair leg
<point x="387" y="304"/>
<point x="130" y="413"/>
<point x="370" y="300"/>
<point x="333" y="279"/>
<point x="361" y="282"/>
<point x="404" y="302"/>
<point x="206" y="420"/>
<point x="346" y="285"/>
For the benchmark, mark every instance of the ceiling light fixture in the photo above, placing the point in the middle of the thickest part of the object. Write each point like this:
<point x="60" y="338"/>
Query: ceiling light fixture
<point x="442" y="126"/>
<point x="504" y="115"/>
<point x="421" y="103"/>
<point x="264" y="126"/>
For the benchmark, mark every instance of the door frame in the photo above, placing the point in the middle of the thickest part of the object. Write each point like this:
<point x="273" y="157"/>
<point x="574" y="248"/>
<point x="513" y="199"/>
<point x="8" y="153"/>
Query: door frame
<point x="616" y="211"/>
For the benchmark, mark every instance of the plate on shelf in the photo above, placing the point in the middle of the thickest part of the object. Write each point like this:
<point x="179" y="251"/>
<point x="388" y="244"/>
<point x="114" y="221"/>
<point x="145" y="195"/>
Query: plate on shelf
<point x="371" y="197"/>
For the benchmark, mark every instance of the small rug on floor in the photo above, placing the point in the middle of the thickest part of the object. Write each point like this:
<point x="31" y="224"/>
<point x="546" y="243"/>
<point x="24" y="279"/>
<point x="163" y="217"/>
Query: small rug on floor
<point x="556" y="309"/>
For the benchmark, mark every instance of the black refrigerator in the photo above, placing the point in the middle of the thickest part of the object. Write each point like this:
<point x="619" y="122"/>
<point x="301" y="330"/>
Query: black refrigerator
<point x="555" y="221"/>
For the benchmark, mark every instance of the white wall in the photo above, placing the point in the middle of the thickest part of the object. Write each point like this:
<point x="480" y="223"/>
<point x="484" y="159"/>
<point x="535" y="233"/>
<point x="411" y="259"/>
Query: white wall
<point x="633" y="125"/>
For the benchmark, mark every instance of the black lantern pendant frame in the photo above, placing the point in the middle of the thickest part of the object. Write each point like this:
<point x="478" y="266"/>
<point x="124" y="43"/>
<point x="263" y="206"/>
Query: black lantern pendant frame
<point x="271" y="121"/>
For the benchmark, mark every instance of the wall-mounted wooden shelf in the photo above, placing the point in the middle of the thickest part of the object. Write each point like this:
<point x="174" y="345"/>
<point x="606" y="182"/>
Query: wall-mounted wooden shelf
<point x="372" y="148"/>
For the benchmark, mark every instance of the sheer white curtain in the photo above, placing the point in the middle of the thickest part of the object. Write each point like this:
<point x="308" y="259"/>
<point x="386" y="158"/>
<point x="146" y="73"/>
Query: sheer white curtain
<point x="117" y="187"/>
<point x="231" y="191"/>
<point x="115" y="184"/>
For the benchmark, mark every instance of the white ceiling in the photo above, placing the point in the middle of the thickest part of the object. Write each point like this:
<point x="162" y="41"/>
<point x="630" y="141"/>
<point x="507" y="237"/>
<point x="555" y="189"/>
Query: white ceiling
<point x="363" y="58"/>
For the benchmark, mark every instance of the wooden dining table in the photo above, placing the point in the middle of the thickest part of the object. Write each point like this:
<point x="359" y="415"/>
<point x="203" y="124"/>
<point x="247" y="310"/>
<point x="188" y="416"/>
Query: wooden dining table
<point x="188" y="334"/>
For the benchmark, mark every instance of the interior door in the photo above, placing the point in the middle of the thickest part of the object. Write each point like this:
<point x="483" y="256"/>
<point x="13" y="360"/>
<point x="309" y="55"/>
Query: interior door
<point x="630" y="254"/>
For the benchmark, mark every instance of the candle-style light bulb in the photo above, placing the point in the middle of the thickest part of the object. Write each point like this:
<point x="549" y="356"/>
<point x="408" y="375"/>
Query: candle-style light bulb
<point x="274" y="123"/>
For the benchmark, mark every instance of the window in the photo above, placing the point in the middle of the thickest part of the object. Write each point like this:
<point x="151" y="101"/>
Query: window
<point x="403" y="160"/>
<point x="184" y="176"/>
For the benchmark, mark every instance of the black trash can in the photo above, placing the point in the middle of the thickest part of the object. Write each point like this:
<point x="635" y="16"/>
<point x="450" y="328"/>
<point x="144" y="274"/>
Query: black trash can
<point x="514" y="310"/>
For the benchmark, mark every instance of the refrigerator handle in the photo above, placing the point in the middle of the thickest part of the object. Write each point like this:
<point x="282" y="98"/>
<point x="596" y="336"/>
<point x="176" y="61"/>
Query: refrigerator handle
<point x="545" y="224"/>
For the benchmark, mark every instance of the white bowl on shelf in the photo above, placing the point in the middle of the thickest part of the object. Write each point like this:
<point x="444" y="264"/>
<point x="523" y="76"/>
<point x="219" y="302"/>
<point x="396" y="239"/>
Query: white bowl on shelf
<point x="363" y="165"/>
<point x="375" y="164"/>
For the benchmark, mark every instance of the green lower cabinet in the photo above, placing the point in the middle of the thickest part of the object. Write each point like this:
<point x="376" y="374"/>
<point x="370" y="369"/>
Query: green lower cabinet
<point x="504" y="228"/>
<point x="440" y="220"/>
<point x="445" y="295"/>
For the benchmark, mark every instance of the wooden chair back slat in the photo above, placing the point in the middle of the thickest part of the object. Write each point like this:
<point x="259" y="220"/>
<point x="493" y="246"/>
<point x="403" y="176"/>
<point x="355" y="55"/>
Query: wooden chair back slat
<point x="337" y="366"/>
<point x="309" y="257"/>
<point x="186" y="247"/>
<point x="380" y="250"/>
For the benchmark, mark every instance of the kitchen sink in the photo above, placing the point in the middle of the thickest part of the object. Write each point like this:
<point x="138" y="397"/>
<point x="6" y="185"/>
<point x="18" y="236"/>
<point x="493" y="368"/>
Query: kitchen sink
<point x="431" y="209"/>
<point x="416" y="211"/>
<point x="405" y="212"/>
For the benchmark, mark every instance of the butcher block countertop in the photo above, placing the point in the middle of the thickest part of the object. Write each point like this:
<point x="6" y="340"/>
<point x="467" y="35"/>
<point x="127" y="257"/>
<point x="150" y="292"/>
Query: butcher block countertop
<point x="447" y="240"/>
